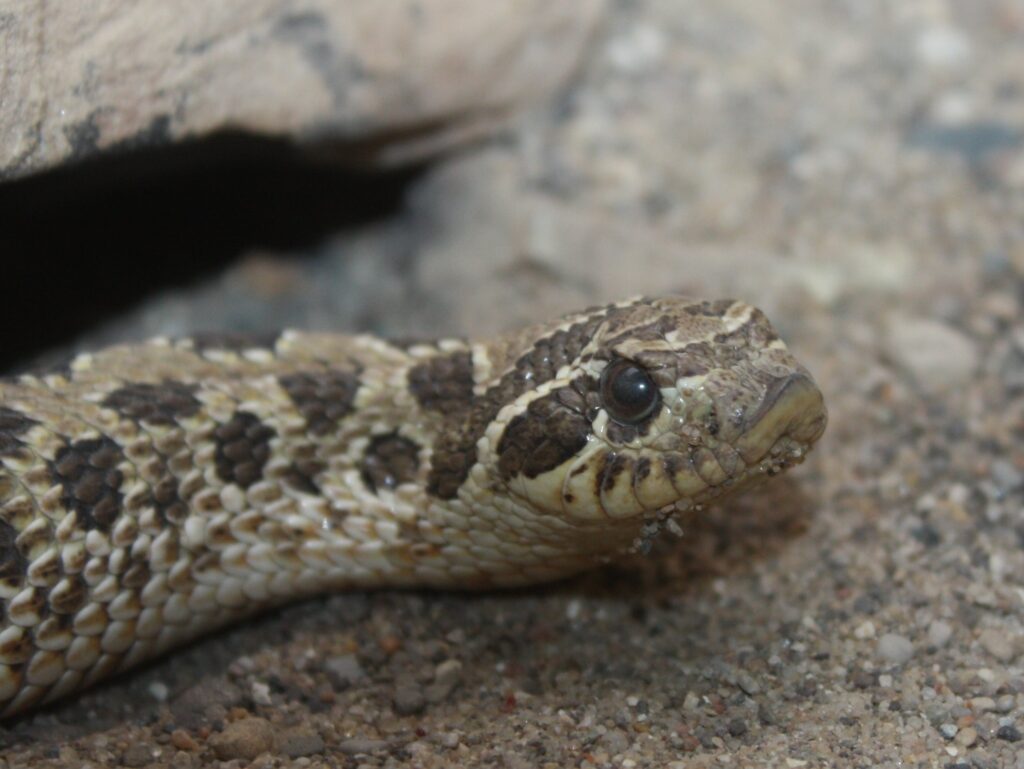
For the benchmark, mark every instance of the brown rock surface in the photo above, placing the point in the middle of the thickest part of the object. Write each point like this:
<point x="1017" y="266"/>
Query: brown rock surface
<point x="407" y="77"/>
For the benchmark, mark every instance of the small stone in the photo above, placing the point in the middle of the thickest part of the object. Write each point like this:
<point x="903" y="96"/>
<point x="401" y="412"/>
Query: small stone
<point x="895" y="648"/>
<point x="997" y="644"/>
<point x="691" y="701"/>
<point x="967" y="737"/>
<point x="748" y="684"/>
<point x="936" y="715"/>
<point x="1006" y="703"/>
<point x="937" y="356"/>
<point x="362" y="746"/>
<point x="260" y="692"/>
<point x="159" y="691"/>
<point x="301" y="743"/>
<point x="862" y="679"/>
<point x="615" y="741"/>
<point x="409" y="700"/>
<point x="344" y="670"/>
<point x="941" y="46"/>
<point x="737" y="727"/>
<point x="245" y="739"/>
<point x="939" y="633"/>
<point x="766" y="715"/>
<point x="982" y="704"/>
<point x="446" y="677"/>
<point x="864" y="631"/>
<point x="1010" y="733"/>
<point x="137" y="755"/>
<point x="182" y="740"/>
<point x="205" y="700"/>
<point x="451" y="740"/>
<point x="948" y="730"/>
<point x="1006" y="476"/>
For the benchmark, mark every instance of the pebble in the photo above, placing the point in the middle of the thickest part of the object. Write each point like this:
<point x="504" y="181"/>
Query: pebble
<point x="1006" y="703"/>
<point x="362" y="746"/>
<point x="936" y="715"/>
<point x="895" y="648"/>
<point x="244" y="739"/>
<point x="737" y="727"/>
<point x="137" y="755"/>
<point x="446" y="677"/>
<point x="967" y="737"/>
<point x="1006" y="476"/>
<point x="948" y="730"/>
<point x="182" y="740"/>
<point x="615" y="741"/>
<point x="448" y="672"/>
<point x="1010" y="733"/>
<point x="864" y="631"/>
<point x="301" y="743"/>
<point x="451" y="740"/>
<point x="942" y="47"/>
<point x="939" y="633"/>
<point x="159" y="691"/>
<point x="409" y="699"/>
<point x="191" y="708"/>
<point x="982" y="704"/>
<point x="937" y="356"/>
<point x="998" y="644"/>
<point x="862" y="679"/>
<point x="344" y="670"/>
<point x="748" y="684"/>
<point x="260" y="692"/>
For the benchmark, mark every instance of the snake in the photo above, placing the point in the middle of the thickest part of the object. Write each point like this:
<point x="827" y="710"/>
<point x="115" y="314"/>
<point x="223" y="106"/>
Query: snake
<point x="153" y="492"/>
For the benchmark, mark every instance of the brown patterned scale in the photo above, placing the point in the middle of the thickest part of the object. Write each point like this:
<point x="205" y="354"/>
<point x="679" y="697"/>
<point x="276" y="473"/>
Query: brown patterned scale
<point x="151" y="493"/>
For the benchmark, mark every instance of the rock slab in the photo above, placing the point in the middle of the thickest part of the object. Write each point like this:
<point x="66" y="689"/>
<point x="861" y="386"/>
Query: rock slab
<point x="409" y="78"/>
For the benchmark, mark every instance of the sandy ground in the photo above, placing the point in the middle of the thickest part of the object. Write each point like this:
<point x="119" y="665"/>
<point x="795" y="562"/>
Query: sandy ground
<point x="856" y="169"/>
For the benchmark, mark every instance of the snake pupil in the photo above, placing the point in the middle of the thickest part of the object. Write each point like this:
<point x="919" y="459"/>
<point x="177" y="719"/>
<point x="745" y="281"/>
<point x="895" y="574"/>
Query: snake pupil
<point x="628" y="392"/>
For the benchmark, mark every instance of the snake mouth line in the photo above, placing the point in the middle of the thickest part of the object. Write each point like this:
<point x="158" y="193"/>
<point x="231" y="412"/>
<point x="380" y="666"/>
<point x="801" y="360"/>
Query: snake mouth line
<point x="784" y="454"/>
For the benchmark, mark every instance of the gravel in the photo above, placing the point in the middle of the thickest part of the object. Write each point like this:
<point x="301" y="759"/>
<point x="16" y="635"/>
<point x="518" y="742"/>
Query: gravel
<point x="895" y="649"/>
<point x="244" y="739"/>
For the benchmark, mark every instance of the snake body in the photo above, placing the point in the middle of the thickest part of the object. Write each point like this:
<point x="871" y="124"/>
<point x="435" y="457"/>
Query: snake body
<point x="150" y="493"/>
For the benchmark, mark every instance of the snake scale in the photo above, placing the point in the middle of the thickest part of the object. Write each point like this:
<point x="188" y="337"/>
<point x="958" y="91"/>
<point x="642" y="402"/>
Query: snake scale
<point x="150" y="493"/>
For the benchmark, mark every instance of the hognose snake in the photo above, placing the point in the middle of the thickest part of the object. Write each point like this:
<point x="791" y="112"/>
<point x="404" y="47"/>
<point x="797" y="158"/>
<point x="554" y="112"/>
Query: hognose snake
<point x="150" y="493"/>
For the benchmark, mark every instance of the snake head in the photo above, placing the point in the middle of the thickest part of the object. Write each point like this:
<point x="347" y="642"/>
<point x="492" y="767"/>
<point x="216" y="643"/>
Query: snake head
<point x="669" y="403"/>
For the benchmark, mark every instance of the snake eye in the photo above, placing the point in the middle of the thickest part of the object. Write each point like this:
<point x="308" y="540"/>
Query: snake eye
<point x="628" y="392"/>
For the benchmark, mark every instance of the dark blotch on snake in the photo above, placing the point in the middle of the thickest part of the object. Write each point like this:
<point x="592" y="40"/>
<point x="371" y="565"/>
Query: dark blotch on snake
<point x="443" y="383"/>
<point x="302" y="473"/>
<point x="242" y="449"/>
<point x="544" y="436"/>
<point x="87" y="470"/>
<point x="13" y="424"/>
<point x="322" y="397"/>
<point x="389" y="460"/>
<point x="158" y="404"/>
<point x="454" y="456"/>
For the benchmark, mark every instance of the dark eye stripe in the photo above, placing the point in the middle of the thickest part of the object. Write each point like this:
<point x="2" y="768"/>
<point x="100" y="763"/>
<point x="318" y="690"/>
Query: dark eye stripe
<point x="627" y="392"/>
